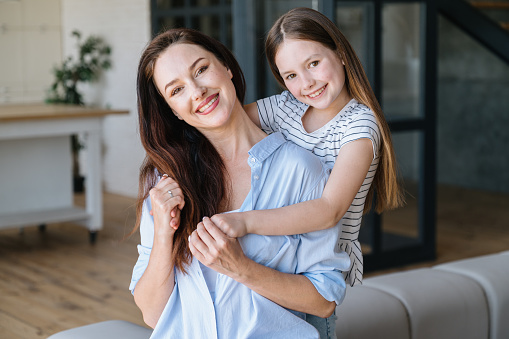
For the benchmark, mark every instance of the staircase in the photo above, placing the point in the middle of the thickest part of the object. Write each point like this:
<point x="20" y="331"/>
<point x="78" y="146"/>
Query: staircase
<point x="485" y="21"/>
<point x="498" y="11"/>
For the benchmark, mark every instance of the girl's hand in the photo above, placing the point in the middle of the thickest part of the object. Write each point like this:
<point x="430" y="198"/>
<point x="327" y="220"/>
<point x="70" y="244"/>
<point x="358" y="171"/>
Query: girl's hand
<point x="231" y="224"/>
<point x="166" y="206"/>
<point x="216" y="250"/>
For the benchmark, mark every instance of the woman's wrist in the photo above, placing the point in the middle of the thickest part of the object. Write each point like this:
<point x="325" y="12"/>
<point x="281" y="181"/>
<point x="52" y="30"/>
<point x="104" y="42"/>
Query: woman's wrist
<point x="249" y="225"/>
<point x="244" y="274"/>
<point x="163" y="240"/>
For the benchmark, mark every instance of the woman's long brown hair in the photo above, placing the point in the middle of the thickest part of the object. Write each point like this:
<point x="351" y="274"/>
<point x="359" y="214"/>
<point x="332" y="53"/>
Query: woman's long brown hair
<point x="175" y="148"/>
<point x="308" y="24"/>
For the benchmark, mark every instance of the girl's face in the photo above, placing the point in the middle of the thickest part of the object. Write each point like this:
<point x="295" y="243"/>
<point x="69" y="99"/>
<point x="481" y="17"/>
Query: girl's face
<point x="313" y="73"/>
<point x="196" y="85"/>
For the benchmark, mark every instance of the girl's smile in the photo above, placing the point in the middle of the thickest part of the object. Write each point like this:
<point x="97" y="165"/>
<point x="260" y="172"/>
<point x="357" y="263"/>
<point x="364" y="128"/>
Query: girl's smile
<point x="314" y="74"/>
<point x="318" y="93"/>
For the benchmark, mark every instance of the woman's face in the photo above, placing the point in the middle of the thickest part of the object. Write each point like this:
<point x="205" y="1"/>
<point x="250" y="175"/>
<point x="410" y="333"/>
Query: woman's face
<point x="313" y="73"/>
<point x="196" y="85"/>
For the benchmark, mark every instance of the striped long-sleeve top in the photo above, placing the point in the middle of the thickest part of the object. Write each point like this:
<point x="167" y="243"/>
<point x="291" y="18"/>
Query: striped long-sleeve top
<point x="283" y="113"/>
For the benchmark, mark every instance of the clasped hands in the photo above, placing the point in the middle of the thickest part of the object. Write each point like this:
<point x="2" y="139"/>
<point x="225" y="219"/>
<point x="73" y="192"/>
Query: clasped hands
<point x="214" y="242"/>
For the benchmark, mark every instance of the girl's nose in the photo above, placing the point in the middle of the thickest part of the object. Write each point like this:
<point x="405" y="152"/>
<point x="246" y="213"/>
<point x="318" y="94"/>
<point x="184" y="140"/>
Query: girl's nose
<point x="308" y="82"/>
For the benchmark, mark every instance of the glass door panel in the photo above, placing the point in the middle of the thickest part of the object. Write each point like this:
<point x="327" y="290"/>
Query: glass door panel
<point x="401" y="60"/>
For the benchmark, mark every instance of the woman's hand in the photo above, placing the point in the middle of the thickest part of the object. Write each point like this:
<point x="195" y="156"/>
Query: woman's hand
<point x="167" y="201"/>
<point x="231" y="224"/>
<point x="216" y="250"/>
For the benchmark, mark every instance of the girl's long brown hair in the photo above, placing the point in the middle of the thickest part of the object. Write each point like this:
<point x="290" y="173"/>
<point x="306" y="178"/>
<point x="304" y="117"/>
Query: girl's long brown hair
<point x="175" y="148"/>
<point x="308" y="24"/>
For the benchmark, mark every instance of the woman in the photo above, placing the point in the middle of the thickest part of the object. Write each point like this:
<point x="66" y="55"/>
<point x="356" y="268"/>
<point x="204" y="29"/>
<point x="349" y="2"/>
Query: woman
<point x="191" y="280"/>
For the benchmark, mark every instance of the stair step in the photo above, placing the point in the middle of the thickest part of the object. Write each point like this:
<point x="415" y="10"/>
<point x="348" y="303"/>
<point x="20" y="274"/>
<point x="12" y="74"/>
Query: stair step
<point x="490" y="4"/>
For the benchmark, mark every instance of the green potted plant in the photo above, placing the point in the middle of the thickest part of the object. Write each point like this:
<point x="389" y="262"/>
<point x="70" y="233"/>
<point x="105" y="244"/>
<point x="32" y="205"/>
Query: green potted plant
<point x="93" y="58"/>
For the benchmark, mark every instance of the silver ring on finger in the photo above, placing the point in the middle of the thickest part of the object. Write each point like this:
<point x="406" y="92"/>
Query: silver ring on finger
<point x="171" y="194"/>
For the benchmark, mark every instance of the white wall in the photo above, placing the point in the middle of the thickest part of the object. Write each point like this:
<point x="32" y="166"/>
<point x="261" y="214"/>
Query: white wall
<point x="30" y="46"/>
<point x="125" y="25"/>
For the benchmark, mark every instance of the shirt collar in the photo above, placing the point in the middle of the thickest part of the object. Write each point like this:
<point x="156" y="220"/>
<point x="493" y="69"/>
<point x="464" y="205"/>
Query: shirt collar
<point x="268" y="145"/>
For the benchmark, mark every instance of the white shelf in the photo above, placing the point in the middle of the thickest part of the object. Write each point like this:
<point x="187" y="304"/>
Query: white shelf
<point x="35" y="170"/>
<point x="43" y="217"/>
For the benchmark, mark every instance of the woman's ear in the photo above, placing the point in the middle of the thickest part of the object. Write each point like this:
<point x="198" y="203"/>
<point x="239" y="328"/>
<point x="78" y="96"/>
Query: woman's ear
<point x="176" y="114"/>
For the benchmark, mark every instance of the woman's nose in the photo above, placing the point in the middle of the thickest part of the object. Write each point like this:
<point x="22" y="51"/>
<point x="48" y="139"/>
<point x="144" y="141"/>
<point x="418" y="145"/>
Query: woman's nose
<point x="199" y="92"/>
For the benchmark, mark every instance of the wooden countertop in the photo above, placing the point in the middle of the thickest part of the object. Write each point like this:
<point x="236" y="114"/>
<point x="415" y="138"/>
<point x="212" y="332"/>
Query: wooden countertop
<point x="18" y="112"/>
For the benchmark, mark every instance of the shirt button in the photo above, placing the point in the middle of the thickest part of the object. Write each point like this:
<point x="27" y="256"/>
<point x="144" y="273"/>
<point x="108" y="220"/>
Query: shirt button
<point x="253" y="160"/>
<point x="256" y="177"/>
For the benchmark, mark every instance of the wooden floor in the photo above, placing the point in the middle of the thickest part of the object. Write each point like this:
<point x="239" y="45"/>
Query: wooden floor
<point x="469" y="223"/>
<point x="54" y="280"/>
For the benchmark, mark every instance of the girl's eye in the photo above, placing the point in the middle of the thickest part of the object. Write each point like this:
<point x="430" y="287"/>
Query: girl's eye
<point x="201" y="70"/>
<point x="176" y="91"/>
<point x="290" y="76"/>
<point x="314" y="64"/>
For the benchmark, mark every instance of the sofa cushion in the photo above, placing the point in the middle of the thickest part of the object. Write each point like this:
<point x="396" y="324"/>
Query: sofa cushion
<point x="440" y="304"/>
<point x="105" y="330"/>
<point x="370" y="313"/>
<point x="492" y="273"/>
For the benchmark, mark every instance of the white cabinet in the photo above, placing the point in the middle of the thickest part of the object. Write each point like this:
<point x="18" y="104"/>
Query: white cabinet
<point x="35" y="164"/>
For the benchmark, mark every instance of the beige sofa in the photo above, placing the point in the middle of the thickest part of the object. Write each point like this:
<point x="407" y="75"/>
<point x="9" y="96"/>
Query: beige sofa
<point x="461" y="299"/>
<point x="467" y="299"/>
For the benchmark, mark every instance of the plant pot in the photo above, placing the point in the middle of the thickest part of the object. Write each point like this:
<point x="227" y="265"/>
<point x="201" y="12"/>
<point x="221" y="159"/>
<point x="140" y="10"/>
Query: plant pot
<point x="78" y="184"/>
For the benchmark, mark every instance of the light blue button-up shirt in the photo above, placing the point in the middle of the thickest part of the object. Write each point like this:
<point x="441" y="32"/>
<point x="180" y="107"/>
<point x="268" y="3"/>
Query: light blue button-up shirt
<point x="281" y="174"/>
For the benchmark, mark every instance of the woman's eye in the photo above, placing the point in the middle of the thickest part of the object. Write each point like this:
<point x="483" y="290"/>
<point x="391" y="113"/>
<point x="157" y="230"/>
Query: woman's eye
<point x="290" y="76"/>
<point x="314" y="64"/>
<point x="201" y="70"/>
<point x="176" y="91"/>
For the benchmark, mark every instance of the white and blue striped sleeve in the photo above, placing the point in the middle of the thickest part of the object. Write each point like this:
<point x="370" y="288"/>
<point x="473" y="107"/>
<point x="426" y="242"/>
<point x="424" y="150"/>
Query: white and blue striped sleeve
<point x="363" y="125"/>
<point x="267" y="112"/>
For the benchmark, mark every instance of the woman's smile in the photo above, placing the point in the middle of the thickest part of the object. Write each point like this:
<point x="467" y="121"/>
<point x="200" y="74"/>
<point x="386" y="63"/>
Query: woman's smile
<point x="208" y="104"/>
<point x="196" y="85"/>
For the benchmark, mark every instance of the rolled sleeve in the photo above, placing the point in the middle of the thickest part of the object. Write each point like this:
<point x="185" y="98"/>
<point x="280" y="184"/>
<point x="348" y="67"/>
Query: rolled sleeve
<point x="317" y="255"/>
<point x="141" y="265"/>
<point x="145" y="248"/>
<point x="318" y="260"/>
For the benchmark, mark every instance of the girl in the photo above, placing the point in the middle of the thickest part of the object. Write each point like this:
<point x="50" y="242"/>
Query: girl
<point x="330" y="109"/>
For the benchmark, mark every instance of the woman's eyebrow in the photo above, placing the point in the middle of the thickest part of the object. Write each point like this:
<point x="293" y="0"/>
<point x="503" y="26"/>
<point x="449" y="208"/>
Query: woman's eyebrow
<point x="194" y="63"/>
<point x="190" y="69"/>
